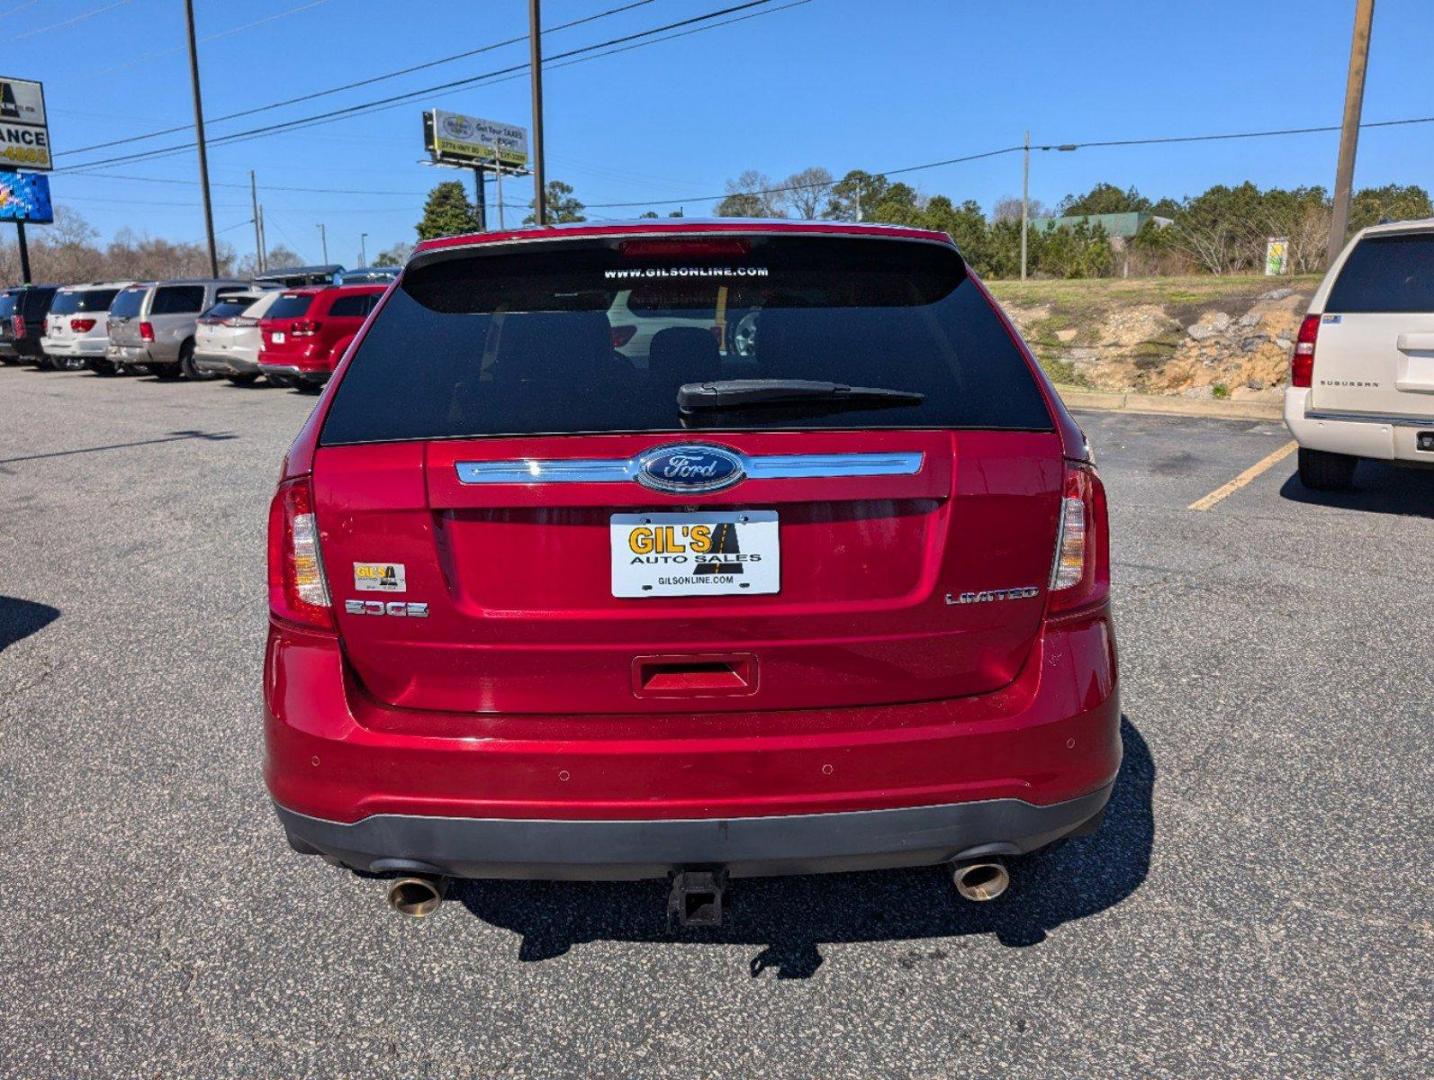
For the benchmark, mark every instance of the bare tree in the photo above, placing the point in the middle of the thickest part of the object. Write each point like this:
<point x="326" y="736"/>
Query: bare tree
<point x="750" y="195"/>
<point x="806" y="192"/>
<point x="1008" y="208"/>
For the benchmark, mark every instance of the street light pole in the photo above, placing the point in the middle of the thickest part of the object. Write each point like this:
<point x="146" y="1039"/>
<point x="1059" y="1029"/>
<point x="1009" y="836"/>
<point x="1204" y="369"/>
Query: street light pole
<point x="199" y="138"/>
<point x="535" y="59"/>
<point x="1025" y="202"/>
<point x="1349" y="133"/>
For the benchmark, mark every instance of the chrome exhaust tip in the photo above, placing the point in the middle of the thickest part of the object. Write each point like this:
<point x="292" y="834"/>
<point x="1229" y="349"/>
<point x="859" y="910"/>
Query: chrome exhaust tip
<point x="981" y="881"/>
<point x="417" y="897"/>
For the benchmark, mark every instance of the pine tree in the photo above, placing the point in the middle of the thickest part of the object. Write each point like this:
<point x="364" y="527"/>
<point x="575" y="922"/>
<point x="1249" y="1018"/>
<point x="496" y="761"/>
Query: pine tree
<point x="447" y="212"/>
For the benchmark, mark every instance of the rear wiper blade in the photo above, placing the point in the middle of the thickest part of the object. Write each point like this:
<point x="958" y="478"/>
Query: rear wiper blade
<point x="755" y="393"/>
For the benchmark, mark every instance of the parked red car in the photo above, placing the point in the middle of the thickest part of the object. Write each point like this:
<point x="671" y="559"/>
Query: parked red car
<point x="306" y="331"/>
<point x="828" y="594"/>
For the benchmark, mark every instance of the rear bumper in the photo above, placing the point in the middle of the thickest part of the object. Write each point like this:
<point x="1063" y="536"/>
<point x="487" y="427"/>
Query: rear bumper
<point x="225" y="363"/>
<point x="81" y="347"/>
<point x="632" y="796"/>
<point x="307" y="376"/>
<point x="747" y="847"/>
<point x="1384" y="438"/>
<point x="127" y="355"/>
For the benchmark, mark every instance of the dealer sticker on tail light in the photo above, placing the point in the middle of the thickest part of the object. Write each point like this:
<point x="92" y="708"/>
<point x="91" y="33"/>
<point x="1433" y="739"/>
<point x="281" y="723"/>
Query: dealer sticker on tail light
<point x="379" y="577"/>
<point x="703" y="553"/>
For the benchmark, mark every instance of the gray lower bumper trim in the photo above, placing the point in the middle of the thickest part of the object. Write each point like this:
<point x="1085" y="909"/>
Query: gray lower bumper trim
<point x="748" y="847"/>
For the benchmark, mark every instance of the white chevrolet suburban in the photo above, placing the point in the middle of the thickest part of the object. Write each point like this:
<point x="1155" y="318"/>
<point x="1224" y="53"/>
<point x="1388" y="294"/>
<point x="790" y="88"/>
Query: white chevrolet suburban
<point x="1362" y="375"/>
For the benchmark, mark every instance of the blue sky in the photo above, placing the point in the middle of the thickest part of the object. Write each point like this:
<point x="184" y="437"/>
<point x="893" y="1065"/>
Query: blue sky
<point x="840" y="83"/>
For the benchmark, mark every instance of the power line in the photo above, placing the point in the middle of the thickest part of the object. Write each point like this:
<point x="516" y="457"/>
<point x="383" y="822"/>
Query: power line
<point x="69" y="22"/>
<point x="267" y="187"/>
<point x="1094" y="144"/>
<point x="211" y="37"/>
<point x="360" y="82"/>
<point x="398" y="99"/>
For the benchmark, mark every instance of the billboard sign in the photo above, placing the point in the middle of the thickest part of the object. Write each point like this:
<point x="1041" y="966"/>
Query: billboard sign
<point x="25" y="197"/>
<point x="454" y="139"/>
<point x="24" y="130"/>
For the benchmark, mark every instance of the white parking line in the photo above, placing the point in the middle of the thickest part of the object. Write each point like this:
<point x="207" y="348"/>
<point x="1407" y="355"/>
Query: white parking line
<point x="1225" y="490"/>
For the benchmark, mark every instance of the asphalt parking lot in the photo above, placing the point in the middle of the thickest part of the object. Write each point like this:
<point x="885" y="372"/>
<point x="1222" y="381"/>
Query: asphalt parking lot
<point x="1258" y="902"/>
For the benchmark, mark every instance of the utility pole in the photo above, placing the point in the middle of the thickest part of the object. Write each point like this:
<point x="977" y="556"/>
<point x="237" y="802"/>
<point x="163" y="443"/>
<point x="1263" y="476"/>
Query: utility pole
<point x="1349" y="134"/>
<point x="363" y="248"/>
<point x="258" y="229"/>
<point x="24" y="253"/>
<point x="263" y="244"/>
<point x="199" y="138"/>
<point x="324" y="242"/>
<point x="1025" y="202"/>
<point x="535" y="59"/>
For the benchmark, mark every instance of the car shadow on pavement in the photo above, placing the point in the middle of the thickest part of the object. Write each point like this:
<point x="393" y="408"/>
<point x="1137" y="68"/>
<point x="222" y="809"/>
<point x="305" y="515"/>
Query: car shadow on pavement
<point x="21" y="618"/>
<point x="791" y="917"/>
<point x="1379" y="489"/>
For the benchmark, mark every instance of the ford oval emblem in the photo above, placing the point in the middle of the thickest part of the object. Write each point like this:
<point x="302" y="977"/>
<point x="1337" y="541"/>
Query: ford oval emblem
<point x="689" y="470"/>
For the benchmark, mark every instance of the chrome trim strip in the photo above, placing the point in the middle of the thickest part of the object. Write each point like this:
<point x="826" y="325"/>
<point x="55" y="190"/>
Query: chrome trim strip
<point x="1392" y="419"/>
<point x="536" y="471"/>
<point x="803" y="466"/>
<point x="616" y="470"/>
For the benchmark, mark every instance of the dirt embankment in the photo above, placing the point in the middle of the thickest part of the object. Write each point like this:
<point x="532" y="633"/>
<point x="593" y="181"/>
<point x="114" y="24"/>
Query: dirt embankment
<point x="1199" y="337"/>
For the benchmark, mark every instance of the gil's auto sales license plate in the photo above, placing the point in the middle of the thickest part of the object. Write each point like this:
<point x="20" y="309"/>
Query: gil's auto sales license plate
<point x="704" y="553"/>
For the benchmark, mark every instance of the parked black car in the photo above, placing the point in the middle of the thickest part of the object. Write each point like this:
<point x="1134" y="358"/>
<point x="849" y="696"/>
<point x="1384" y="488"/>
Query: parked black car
<point x="22" y="322"/>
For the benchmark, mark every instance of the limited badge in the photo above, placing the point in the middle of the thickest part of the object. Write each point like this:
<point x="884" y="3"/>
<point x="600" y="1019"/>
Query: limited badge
<point x="379" y="577"/>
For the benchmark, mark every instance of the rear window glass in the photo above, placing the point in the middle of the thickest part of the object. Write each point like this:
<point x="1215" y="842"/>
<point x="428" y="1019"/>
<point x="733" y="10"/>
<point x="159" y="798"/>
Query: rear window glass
<point x="178" y="300"/>
<point x="37" y="301"/>
<point x="352" y="305"/>
<point x="226" y="308"/>
<point x="67" y="303"/>
<point x="290" y="306"/>
<point x="1386" y="273"/>
<point x="582" y="338"/>
<point x="128" y="303"/>
<point x="7" y="305"/>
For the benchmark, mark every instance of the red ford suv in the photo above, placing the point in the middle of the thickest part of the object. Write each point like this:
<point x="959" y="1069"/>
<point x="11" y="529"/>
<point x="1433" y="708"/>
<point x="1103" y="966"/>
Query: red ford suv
<point x="305" y="331"/>
<point x="830" y="593"/>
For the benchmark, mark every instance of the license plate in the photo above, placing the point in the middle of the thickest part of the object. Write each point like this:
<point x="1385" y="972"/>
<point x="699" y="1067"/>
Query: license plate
<point x="278" y="338"/>
<point x="704" y="553"/>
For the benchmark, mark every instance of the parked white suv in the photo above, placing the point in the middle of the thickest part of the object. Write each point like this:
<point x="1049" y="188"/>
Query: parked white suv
<point x="77" y="323"/>
<point x="1362" y="375"/>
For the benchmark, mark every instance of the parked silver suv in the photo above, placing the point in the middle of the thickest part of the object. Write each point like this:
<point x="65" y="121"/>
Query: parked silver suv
<point x="153" y="325"/>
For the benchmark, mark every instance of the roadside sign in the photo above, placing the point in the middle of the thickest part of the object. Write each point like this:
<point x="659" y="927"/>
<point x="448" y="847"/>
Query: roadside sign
<point x="24" y="129"/>
<point x="1277" y="256"/>
<point x="453" y="139"/>
<point x="26" y="197"/>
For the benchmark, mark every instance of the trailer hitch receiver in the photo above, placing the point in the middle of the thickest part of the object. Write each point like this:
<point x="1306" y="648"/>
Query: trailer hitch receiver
<point x="697" y="898"/>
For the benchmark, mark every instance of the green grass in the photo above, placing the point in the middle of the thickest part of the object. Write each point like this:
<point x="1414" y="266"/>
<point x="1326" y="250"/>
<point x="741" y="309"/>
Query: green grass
<point x="1172" y="290"/>
<point x="1062" y="371"/>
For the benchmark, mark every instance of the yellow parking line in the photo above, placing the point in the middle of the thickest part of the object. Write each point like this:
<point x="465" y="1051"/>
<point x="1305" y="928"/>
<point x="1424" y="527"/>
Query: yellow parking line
<point x="1225" y="490"/>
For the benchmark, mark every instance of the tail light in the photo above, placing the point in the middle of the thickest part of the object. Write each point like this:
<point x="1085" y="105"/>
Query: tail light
<point x="17" y="324"/>
<point x="682" y="248"/>
<point x="298" y="592"/>
<point x="304" y="327"/>
<point x="146" y="331"/>
<point x="1080" y="578"/>
<point x="1302" y="362"/>
<point x="621" y="335"/>
<point x="82" y="326"/>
